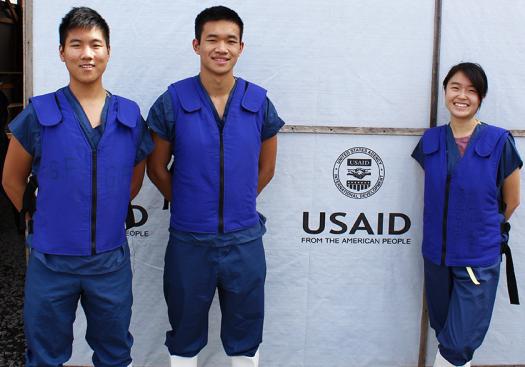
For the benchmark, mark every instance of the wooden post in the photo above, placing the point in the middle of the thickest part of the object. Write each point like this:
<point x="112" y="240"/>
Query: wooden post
<point x="27" y="36"/>
<point x="434" y="92"/>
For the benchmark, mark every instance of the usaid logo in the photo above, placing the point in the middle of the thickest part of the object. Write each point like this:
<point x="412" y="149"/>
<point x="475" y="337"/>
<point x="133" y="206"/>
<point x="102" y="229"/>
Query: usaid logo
<point x="359" y="172"/>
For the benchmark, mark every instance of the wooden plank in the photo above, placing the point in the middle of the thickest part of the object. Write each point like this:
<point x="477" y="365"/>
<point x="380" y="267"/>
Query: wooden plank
<point x="423" y="332"/>
<point x="434" y="93"/>
<point x="27" y="36"/>
<point x="351" y="130"/>
<point x="435" y="85"/>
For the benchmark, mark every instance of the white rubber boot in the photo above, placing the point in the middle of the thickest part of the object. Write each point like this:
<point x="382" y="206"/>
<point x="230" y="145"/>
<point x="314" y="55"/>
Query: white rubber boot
<point x="176" y="361"/>
<point x="442" y="362"/>
<point x="244" y="361"/>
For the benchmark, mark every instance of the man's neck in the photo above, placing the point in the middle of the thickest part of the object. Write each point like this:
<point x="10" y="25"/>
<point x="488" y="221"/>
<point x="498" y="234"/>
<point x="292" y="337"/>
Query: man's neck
<point x="84" y="92"/>
<point x="217" y="86"/>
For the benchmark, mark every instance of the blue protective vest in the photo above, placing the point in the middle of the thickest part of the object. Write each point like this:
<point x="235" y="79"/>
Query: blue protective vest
<point x="462" y="222"/>
<point x="215" y="171"/>
<point x="83" y="194"/>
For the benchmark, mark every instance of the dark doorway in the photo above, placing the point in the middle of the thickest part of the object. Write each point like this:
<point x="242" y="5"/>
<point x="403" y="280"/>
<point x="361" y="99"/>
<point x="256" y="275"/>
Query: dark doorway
<point x="12" y="260"/>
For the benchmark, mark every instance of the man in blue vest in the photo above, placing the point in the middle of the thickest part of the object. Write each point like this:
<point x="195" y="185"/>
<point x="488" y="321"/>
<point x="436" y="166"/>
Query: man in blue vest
<point x="87" y="149"/>
<point x="221" y="132"/>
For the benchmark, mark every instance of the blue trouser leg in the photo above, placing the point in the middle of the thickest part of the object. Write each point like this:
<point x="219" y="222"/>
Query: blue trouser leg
<point x="459" y="310"/>
<point x="49" y="312"/>
<point x="107" y="300"/>
<point x="191" y="275"/>
<point x="189" y="287"/>
<point x="51" y="300"/>
<point x="241" y="292"/>
<point x="438" y="289"/>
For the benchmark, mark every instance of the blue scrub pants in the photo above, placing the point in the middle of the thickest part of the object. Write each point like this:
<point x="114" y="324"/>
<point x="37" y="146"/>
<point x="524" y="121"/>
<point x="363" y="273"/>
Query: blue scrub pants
<point x="460" y="311"/>
<point x="192" y="272"/>
<point x="51" y="300"/>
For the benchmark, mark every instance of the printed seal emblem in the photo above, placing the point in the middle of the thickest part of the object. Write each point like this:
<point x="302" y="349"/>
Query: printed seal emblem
<point x="359" y="172"/>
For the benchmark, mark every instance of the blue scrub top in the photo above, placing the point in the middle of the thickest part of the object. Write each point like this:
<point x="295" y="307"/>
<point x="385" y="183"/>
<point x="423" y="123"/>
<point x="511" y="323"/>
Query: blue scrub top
<point x="26" y="129"/>
<point x="161" y="121"/>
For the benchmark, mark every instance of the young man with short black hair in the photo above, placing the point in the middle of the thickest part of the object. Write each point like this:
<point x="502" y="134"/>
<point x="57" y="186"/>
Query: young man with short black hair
<point x="221" y="132"/>
<point x="87" y="149"/>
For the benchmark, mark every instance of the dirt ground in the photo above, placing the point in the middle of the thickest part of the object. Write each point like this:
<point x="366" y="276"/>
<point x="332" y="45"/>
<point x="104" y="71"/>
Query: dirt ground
<point x="12" y="274"/>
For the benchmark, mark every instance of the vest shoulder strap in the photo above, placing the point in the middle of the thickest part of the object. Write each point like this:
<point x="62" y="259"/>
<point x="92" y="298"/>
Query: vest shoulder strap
<point x="47" y="110"/>
<point x="186" y="92"/>
<point x="128" y="112"/>
<point x="489" y="139"/>
<point x="431" y="139"/>
<point x="254" y="97"/>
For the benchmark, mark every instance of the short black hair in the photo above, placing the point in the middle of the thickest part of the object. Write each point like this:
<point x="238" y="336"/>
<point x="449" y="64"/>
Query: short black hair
<point x="85" y="18"/>
<point x="216" y="13"/>
<point x="476" y="75"/>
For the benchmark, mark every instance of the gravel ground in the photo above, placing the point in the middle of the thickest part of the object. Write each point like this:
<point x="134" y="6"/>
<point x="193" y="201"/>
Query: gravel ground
<point x="12" y="273"/>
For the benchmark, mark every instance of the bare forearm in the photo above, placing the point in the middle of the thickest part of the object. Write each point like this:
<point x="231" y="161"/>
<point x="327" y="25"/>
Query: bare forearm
<point x="264" y="179"/>
<point x="509" y="209"/>
<point x="511" y="193"/>
<point x="137" y="178"/>
<point x="135" y="189"/>
<point x="17" y="167"/>
<point x="161" y="178"/>
<point x="15" y="192"/>
<point x="267" y="159"/>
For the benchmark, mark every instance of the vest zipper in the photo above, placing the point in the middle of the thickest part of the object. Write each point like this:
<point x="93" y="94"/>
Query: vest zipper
<point x="93" y="202"/>
<point x="445" y="217"/>
<point x="221" y="183"/>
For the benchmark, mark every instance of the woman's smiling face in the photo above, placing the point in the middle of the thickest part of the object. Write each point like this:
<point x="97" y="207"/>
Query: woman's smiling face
<point x="461" y="97"/>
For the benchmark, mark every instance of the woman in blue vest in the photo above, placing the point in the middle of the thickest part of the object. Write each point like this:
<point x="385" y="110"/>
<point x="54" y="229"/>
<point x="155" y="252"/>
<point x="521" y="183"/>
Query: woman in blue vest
<point x="472" y="187"/>
<point x="87" y="148"/>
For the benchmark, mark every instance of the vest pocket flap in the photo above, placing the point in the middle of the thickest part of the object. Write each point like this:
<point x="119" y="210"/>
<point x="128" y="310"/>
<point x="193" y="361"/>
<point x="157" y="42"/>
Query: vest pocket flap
<point x="189" y="104"/>
<point x="488" y="141"/>
<point x="431" y="141"/>
<point x="128" y="112"/>
<point x="484" y="150"/>
<point x="186" y="92"/>
<point x="254" y="97"/>
<point x="46" y="109"/>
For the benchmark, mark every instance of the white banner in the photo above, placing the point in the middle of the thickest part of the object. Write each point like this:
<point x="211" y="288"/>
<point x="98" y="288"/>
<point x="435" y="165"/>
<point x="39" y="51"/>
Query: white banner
<point x="344" y="280"/>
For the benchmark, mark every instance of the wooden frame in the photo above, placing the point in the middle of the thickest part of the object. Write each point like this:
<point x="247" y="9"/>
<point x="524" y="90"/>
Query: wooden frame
<point x="27" y="36"/>
<point x="353" y="130"/>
